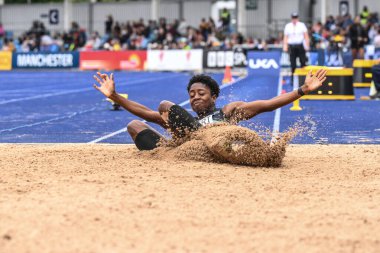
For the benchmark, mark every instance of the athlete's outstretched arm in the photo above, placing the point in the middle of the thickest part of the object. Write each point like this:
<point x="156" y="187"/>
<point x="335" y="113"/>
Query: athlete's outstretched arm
<point x="107" y="87"/>
<point x="239" y="110"/>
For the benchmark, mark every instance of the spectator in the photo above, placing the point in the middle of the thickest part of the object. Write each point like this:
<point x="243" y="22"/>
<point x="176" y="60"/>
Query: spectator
<point x="8" y="45"/>
<point x="117" y="30"/>
<point x="204" y="28"/>
<point x="94" y="42"/>
<point x="376" y="40"/>
<point x="330" y="23"/>
<point x="358" y="39"/>
<point x="219" y="25"/>
<point x="161" y="35"/>
<point x="212" y="25"/>
<point x="316" y="36"/>
<point x="372" y="31"/>
<point x="67" y="41"/>
<point x="182" y="27"/>
<point x="115" y="44"/>
<point x="335" y="48"/>
<point x="226" y="20"/>
<point x="162" y="24"/>
<point x="364" y="15"/>
<point x="2" y="32"/>
<point x="133" y="35"/>
<point x="77" y="36"/>
<point x="213" y="41"/>
<point x="37" y="30"/>
<point x="57" y="43"/>
<point x="373" y="18"/>
<point x="347" y="21"/>
<point x="108" y="25"/>
<point x="296" y="41"/>
<point x="46" y="42"/>
<point x="27" y="44"/>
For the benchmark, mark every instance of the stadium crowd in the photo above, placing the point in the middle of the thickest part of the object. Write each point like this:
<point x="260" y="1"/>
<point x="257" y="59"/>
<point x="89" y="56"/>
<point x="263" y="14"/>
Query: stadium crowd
<point x="342" y="33"/>
<point x="338" y="33"/>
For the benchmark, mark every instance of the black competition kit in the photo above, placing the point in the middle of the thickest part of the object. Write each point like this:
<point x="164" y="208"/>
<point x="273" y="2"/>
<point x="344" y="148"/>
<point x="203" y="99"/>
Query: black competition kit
<point x="180" y="122"/>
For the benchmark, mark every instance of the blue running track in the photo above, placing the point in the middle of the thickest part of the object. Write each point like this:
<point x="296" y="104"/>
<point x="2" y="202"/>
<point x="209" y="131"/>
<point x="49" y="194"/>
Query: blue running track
<point x="63" y="107"/>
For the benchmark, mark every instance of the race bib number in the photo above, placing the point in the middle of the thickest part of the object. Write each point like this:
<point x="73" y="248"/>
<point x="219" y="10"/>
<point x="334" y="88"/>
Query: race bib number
<point x="206" y="120"/>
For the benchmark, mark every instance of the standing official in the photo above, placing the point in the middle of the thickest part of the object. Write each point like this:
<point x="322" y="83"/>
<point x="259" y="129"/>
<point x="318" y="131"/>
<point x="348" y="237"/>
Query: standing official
<point x="296" y="42"/>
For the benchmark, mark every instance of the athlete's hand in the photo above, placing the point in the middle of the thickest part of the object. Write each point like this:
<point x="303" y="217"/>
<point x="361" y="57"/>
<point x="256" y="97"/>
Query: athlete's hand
<point x="107" y="84"/>
<point x="313" y="82"/>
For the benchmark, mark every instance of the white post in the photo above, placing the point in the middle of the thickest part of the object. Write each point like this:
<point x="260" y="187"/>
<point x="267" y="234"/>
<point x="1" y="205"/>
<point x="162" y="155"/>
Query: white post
<point x="91" y="16"/>
<point x="154" y="9"/>
<point x="241" y="17"/>
<point x="1" y="10"/>
<point x="323" y="11"/>
<point x="67" y="12"/>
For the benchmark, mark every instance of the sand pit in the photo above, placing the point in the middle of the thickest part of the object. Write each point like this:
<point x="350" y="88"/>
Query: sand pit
<point x="226" y="143"/>
<point x="110" y="198"/>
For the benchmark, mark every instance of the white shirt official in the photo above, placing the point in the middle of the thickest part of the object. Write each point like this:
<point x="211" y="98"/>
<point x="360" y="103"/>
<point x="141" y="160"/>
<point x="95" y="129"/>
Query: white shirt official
<point x="295" y="32"/>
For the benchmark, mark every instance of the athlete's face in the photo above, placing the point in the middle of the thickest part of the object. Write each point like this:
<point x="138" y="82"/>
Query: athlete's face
<point x="201" y="100"/>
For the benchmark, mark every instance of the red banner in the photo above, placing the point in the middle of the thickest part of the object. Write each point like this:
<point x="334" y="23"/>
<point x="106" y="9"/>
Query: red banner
<point x="112" y="60"/>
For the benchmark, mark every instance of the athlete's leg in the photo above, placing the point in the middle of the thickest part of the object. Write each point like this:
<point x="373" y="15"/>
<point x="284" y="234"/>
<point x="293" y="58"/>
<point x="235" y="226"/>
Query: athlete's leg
<point x="179" y="120"/>
<point x="164" y="108"/>
<point x="145" y="137"/>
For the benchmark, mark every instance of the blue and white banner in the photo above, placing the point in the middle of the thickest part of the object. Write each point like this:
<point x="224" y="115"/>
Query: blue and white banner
<point x="333" y="58"/>
<point x="264" y="63"/>
<point x="45" y="60"/>
<point x="219" y="59"/>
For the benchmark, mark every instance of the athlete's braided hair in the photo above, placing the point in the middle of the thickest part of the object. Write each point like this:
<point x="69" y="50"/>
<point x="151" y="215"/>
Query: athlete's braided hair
<point x="206" y="80"/>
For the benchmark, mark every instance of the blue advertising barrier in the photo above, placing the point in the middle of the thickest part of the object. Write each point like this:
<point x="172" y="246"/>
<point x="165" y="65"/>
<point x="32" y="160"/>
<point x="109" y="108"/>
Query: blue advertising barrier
<point x="45" y="60"/>
<point x="337" y="59"/>
<point x="347" y="59"/>
<point x="264" y="63"/>
<point x="313" y="58"/>
<point x="371" y="52"/>
<point x="376" y="54"/>
<point x="333" y="58"/>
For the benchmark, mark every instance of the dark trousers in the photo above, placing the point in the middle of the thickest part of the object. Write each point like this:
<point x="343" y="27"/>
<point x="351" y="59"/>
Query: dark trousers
<point x="376" y="76"/>
<point x="294" y="52"/>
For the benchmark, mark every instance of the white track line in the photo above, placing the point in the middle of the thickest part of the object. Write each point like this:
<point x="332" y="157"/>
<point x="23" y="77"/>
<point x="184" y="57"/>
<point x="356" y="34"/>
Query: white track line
<point x="49" y="120"/>
<point x="277" y="115"/>
<point x="74" y="91"/>
<point x="180" y="104"/>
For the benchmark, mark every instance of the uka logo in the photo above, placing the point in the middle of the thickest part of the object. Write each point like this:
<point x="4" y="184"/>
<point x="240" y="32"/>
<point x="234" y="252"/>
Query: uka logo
<point x="263" y="63"/>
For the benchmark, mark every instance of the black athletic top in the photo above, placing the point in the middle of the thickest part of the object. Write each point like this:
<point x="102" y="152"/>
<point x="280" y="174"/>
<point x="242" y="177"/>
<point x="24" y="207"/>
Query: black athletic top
<point x="213" y="117"/>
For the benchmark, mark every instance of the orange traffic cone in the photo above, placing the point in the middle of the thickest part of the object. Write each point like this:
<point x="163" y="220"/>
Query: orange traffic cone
<point x="227" y="75"/>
